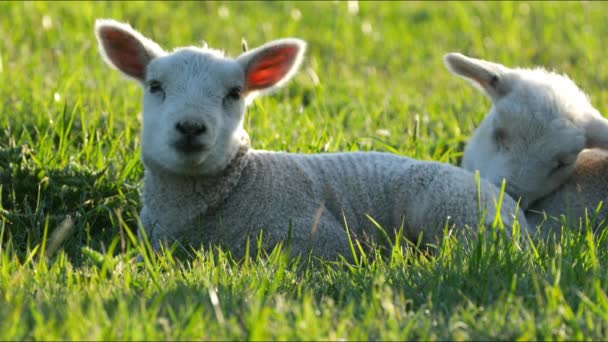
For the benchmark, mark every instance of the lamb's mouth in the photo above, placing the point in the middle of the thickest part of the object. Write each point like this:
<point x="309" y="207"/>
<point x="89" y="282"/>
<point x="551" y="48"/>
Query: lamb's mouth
<point x="189" y="146"/>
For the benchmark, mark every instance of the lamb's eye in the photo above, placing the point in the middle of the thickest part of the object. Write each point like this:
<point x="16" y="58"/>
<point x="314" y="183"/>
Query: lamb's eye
<point x="500" y="139"/>
<point x="155" y="87"/>
<point x="499" y="136"/>
<point x="234" y="94"/>
<point x="559" y="166"/>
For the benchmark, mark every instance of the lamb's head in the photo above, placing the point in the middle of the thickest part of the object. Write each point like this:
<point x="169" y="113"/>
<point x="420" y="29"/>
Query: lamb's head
<point x="194" y="98"/>
<point x="538" y="124"/>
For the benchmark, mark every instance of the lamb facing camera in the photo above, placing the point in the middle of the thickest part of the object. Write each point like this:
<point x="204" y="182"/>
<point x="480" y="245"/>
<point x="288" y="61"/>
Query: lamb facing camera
<point x="543" y="136"/>
<point x="204" y="185"/>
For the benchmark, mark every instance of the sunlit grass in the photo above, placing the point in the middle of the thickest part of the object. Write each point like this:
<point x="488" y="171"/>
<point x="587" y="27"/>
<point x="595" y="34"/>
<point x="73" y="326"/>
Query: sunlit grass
<point x="373" y="79"/>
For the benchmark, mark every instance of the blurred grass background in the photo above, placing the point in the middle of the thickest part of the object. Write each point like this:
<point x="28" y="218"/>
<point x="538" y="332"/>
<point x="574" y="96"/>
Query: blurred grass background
<point x="373" y="79"/>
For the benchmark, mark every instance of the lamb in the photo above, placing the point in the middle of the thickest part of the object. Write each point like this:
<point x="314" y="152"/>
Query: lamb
<point x="543" y="136"/>
<point x="205" y="186"/>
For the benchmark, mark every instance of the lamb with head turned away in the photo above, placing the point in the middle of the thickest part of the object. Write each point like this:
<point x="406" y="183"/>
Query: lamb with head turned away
<point x="543" y="136"/>
<point x="205" y="186"/>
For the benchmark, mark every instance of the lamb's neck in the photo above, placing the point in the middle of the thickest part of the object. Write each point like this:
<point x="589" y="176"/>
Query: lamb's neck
<point x="194" y="194"/>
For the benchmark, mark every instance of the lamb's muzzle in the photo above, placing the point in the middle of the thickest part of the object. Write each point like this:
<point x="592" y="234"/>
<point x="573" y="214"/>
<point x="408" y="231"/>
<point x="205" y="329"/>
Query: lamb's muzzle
<point x="189" y="142"/>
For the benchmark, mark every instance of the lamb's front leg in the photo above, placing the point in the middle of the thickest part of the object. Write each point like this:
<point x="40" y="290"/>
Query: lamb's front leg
<point x="443" y="195"/>
<point x="150" y="229"/>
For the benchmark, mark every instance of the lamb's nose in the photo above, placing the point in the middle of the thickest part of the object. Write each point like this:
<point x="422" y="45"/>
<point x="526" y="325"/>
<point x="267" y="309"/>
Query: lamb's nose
<point x="190" y="128"/>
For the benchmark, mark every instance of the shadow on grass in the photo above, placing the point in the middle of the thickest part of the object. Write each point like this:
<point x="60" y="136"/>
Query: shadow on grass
<point x="36" y="200"/>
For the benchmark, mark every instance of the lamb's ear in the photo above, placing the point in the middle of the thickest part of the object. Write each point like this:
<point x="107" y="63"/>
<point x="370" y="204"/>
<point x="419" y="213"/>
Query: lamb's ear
<point x="125" y="49"/>
<point x="486" y="76"/>
<point x="271" y="65"/>
<point x="596" y="132"/>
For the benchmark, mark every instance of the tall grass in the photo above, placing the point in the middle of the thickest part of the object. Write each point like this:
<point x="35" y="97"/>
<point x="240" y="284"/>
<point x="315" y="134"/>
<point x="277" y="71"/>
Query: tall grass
<point x="373" y="79"/>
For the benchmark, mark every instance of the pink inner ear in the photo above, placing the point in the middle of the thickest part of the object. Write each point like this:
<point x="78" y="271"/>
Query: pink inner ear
<point x="125" y="52"/>
<point x="270" y="68"/>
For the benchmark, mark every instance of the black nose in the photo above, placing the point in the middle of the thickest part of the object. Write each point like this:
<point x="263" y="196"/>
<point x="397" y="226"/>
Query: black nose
<point x="190" y="128"/>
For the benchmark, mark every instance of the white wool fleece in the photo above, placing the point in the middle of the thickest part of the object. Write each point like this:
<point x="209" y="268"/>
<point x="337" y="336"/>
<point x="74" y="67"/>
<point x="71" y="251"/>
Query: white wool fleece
<point x="542" y="136"/>
<point x="577" y="198"/>
<point x="312" y="199"/>
<point x="204" y="185"/>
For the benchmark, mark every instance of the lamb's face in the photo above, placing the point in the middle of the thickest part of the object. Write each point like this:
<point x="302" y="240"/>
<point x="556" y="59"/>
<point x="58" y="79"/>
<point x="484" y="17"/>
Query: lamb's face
<point x="531" y="139"/>
<point x="532" y="135"/>
<point x="193" y="111"/>
<point x="194" y="98"/>
<point x="539" y="122"/>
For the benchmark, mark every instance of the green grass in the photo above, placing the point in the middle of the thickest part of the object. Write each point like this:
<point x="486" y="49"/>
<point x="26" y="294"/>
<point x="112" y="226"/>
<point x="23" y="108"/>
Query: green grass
<point x="372" y="80"/>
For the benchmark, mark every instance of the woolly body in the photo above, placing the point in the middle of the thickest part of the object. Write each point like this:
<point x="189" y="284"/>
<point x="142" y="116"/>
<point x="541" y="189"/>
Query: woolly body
<point x="541" y="135"/>
<point x="203" y="185"/>
<point x="311" y="197"/>
<point x="577" y="198"/>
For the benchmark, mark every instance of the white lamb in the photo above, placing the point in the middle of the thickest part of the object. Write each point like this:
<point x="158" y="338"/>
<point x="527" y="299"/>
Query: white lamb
<point x="204" y="185"/>
<point x="542" y="135"/>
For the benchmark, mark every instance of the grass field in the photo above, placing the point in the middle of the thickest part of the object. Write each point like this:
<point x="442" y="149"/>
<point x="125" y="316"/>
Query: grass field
<point x="373" y="79"/>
